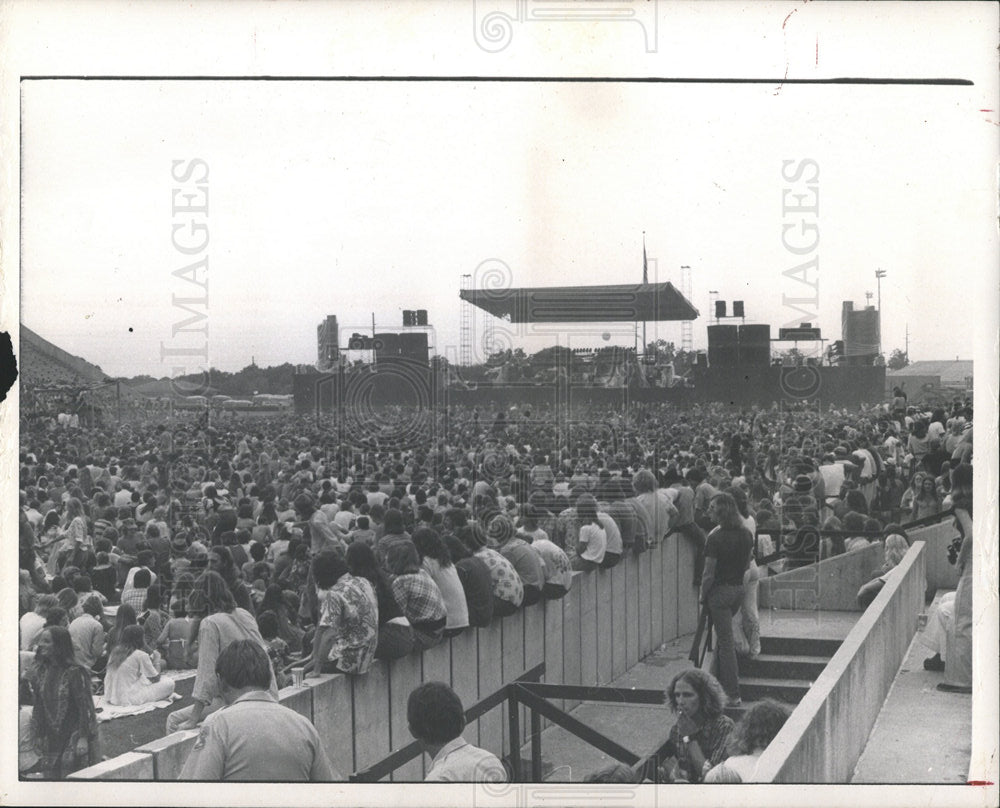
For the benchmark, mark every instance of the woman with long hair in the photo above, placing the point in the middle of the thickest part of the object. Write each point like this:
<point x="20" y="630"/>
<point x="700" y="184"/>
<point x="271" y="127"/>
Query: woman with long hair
<point x="395" y="635"/>
<point x="75" y="522"/>
<point x="927" y="502"/>
<point x="727" y="557"/>
<point x="699" y="740"/>
<point x="274" y="601"/>
<point x="751" y="736"/>
<point x="132" y="678"/>
<point x="63" y="720"/>
<point x="220" y="560"/>
<point x="124" y="617"/>
<point x="436" y="561"/>
<point x="896" y="547"/>
<point x="593" y="541"/>
<point x="416" y="594"/>
<point x="222" y="622"/>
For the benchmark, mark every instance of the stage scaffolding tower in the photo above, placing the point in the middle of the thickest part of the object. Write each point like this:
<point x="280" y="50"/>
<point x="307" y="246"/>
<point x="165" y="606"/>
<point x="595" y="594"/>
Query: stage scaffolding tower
<point x="687" y="343"/>
<point x="465" y="327"/>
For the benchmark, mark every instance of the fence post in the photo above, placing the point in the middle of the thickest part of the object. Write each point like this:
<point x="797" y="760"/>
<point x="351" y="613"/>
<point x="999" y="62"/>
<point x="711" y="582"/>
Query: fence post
<point x="514" y="730"/>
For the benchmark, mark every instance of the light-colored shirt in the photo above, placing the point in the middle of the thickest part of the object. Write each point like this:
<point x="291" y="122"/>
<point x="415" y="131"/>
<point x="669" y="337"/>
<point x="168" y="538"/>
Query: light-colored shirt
<point x="31" y="625"/>
<point x="458" y="761"/>
<point x="233" y="746"/>
<point x="87" y="635"/>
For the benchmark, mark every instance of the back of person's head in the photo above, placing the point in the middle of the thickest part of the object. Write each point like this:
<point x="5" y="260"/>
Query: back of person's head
<point x="45" y="603"/>
<point x="501" y="529"/>
<point x="435" y="713"/>
<point x="56" y="616"/>
<point x="402" y="558"/>
<point x="758" y="726"/>
<point x="615" y="773"/>
<point x="726" y="511"/>
<point x="896" y="547"/>
<point x="67" y="598"/>
<point x="644" y="481"/>
<point x="457" y="549"/>
<point x="267" y="624"/>
<point x="327" y="568"/>
<point x="853" y="521"/>
<point x="92" y="606"/>
<point x="393" y="522"/>
<point x="456" y="517"/>
<point x="142" y="578"/>
<point x="363" y="523"/>
<point x="214" y="592"/>
<point x="361" y="561"/>
<point x="244" y="664"/>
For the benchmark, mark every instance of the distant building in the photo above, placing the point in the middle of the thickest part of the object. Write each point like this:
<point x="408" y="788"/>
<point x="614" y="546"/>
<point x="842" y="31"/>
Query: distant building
<point x="327" y="342"/>
<point x="920" y="380"/>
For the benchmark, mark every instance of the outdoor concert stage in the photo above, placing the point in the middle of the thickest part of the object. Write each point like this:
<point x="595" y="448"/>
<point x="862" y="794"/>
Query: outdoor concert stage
<point x="412" y="385"/>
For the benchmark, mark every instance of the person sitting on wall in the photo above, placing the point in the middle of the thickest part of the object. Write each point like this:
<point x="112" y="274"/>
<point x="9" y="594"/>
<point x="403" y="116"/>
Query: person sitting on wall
<point x="436" y="719"/>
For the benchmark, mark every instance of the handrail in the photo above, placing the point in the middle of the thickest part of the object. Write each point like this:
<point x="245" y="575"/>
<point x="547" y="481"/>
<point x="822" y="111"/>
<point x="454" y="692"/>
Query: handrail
<point x="526" y="690"/>
<point x="402" y="756"/>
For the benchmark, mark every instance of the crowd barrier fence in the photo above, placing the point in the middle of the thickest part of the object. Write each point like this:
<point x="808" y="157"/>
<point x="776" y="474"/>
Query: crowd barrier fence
<point x="609" y="620"/>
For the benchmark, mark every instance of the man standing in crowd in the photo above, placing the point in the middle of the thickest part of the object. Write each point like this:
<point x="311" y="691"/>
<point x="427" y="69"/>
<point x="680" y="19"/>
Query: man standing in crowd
<point x="254" y="737"/>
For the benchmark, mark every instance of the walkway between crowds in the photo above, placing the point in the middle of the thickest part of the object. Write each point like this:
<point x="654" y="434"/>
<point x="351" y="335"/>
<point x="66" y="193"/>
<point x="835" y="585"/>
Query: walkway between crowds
<point x="921" y="735"/>
<point x="643" y="728"/>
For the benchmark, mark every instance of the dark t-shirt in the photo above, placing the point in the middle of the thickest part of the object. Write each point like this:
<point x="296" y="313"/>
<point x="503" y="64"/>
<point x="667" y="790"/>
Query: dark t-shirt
<point x="478" y="585"/>
<point x="730" y="547"/>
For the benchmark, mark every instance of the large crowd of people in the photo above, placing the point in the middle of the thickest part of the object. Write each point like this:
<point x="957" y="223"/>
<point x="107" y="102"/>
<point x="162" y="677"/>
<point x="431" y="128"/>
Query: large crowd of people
<point x="330" y="546"/>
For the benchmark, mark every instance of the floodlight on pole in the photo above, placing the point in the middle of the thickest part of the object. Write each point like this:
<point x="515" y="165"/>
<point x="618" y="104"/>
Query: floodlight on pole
<point x="879" y="274"/>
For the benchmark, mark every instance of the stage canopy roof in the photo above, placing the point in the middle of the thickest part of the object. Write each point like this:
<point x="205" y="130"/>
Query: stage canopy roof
<point x="618" y="303"/>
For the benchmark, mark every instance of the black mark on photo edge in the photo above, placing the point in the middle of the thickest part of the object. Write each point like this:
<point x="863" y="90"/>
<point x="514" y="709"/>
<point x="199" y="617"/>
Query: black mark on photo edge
<point x="8" y="365"/>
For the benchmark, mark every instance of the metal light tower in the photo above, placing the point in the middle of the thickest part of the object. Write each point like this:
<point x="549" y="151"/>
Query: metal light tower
<point x="879" y="274"/>
<point x="687" y="343"/>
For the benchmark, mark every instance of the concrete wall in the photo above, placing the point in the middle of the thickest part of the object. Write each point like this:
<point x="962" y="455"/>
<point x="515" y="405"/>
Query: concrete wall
<point x="609" y="621"/>
<point x="833" y="583"/>
<point x="823" y="738"/>
<point x="830" y="585"/>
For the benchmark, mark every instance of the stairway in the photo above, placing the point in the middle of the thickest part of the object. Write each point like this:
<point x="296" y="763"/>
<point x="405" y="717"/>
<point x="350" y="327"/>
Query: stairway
<point x="784" y="670"/>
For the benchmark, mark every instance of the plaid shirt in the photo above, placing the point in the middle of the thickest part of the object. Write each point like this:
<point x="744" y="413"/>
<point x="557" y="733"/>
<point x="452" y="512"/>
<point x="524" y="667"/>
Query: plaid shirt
<point x="136" y="598"/>
<point x="419" y="597"/>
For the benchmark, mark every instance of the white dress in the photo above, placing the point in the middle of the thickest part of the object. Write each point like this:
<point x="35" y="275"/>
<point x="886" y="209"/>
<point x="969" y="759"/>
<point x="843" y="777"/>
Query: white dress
<point x="129" y="684"/>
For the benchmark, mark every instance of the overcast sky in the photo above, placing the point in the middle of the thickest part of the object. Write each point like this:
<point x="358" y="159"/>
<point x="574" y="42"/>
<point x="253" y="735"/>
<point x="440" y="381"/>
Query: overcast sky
<point x="352" y="198"/>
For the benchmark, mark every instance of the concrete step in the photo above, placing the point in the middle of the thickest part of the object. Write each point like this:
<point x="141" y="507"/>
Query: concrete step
<point x="754" y="688"/>
<point x="799" y="646"/>
<point x="786" y="666"/>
